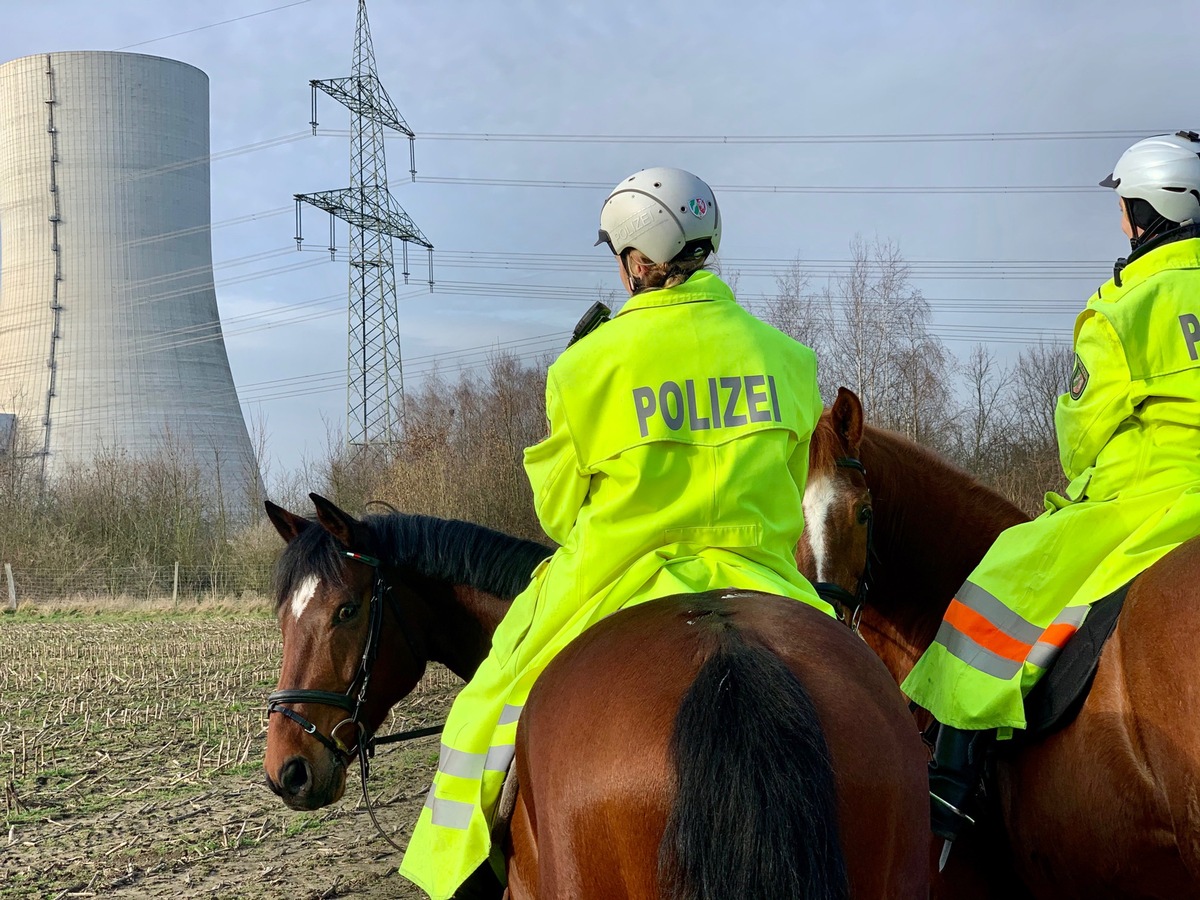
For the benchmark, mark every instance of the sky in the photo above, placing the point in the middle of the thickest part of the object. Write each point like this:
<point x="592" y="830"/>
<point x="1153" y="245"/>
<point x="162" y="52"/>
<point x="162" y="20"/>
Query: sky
<point x="1006" y="238"/>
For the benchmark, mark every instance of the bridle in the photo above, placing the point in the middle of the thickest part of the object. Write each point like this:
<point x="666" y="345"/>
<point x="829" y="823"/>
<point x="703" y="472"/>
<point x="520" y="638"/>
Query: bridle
<point x="355" y="697"/>
<point x="848" y="605"/>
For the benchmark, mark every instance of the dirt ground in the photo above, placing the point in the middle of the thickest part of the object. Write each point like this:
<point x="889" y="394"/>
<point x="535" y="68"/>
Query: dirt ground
<point x="131" y="755"/>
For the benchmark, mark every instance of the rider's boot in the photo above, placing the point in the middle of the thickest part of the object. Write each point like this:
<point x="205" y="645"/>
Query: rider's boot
<point x="954" y="776"/>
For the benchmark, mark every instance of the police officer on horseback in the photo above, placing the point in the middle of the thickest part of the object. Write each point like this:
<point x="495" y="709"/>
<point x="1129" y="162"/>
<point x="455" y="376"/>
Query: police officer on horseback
<point x="674" y="463"/>
<point x="1127" y="431"/>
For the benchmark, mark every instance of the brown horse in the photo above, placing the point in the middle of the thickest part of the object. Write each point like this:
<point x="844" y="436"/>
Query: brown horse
<point x="727" y="744"/>
<point x="1107" y="807"/>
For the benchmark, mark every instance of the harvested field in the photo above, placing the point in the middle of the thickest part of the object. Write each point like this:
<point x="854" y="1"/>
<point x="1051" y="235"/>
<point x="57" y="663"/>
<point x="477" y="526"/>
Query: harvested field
<point x="131" y="757"/>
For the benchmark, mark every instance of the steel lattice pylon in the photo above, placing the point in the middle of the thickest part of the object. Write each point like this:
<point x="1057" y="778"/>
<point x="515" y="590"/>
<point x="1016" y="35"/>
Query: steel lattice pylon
<point x="374" y="374"/>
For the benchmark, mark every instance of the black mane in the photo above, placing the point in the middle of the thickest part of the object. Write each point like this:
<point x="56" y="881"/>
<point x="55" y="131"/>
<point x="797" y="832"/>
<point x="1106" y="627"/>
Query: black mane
<point x="441" y="549"/>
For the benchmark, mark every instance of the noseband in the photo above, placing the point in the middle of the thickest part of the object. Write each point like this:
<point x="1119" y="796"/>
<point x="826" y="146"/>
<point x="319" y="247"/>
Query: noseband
<point x="849" y="606"/>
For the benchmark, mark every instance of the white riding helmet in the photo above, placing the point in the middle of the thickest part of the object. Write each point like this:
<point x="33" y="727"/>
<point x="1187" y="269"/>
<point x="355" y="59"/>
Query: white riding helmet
<point x="1165" y="172"/>
<point x="662" y="212"/>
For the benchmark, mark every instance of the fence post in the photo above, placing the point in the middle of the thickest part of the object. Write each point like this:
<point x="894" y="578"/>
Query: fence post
<point x="175" y="587"/>
<point x="12" y="588"/>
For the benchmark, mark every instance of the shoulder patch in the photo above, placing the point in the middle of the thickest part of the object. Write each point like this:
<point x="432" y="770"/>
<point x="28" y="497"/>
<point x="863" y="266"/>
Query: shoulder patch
<point x="1079" y="378"/>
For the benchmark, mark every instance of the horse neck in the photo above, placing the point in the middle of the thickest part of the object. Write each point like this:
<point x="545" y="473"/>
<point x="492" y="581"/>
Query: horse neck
<point x="468" y="576"/>
<point x="933" y="523"/>
<point x="462" y="637"/>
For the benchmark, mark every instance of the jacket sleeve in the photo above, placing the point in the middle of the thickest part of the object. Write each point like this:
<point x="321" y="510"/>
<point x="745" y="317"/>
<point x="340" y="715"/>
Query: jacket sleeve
<point x="1100" y="396"/>
<point x="559" y="485"/>
<point x="798" y="464"/>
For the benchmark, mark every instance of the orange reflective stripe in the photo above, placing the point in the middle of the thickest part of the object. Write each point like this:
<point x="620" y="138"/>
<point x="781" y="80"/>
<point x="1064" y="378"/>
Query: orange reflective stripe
<point x="985" y="633"/>
<point x="1058" y="635"/>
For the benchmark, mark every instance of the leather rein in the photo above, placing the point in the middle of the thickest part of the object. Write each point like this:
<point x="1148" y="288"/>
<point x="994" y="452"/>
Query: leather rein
<point x="354" y="698"/>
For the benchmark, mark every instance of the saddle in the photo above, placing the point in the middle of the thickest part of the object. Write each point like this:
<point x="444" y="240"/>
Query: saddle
<point x="1056" y="699"/>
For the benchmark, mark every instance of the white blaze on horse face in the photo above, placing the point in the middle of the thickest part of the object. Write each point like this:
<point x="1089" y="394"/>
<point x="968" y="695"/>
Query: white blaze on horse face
<point x="303" y="594"/>
<point x="819" y="496"/>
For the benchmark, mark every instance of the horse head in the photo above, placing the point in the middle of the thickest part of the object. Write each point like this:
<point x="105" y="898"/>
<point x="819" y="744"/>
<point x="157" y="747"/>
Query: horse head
<point x="335" y="594"/>
<point x="834" y="550"/>
<point x="927" y="524"/>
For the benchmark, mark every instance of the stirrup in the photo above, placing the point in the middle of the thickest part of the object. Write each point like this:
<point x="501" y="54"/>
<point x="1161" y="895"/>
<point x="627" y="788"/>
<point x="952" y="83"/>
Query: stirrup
<point x="946" y="820"/>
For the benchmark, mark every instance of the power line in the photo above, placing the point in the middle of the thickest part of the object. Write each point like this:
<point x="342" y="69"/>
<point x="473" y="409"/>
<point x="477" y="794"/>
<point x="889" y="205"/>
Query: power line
<point x="301" y="313"/>
<point x="780" y="188"/>
<point x="215" y="24"/>
<point x="865" y="137"/>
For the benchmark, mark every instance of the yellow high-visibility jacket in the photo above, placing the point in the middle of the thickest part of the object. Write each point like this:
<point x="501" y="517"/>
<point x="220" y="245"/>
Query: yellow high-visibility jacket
<point x="675" y="462"/>
<point x="1129" y="440"/>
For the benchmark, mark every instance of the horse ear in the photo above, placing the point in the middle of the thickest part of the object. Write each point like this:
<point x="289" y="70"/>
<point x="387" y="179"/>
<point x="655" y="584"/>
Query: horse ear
<point x="341" y="525"/>
<point x="847" y="418"/>
<point x="289" y="525"/>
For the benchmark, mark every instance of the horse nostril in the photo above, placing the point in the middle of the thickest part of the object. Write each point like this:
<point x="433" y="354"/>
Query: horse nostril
<point x="294" y="777"/>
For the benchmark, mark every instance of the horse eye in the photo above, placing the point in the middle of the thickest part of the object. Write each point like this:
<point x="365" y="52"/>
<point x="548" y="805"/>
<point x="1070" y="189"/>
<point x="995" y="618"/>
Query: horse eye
<point x="346" y="612"/>
<point x="864" y="514"/>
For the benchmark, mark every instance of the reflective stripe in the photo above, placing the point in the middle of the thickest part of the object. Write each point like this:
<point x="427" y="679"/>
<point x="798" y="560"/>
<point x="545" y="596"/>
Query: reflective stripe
<point x="974" y="654"/>
<point x="1043" y="654"/>
<point x="510" y="714"/>
<point x="1057" y="635"/>
<point x="449" y="813"/>
<point x="1072" y="615"/>
<point x="984" y="633"/>
<point x="1061" y="630"/>
<point x="1003" y="618"/>
<point x="499" y="757"/>
<point x="461" y="764"/>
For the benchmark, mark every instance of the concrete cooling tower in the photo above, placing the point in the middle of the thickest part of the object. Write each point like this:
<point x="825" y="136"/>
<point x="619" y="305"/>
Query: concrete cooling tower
<point x="109" y="335"/>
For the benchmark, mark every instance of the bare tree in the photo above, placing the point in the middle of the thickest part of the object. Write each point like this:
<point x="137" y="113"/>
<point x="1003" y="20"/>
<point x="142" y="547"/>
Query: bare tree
<point x="986" y="417"/>
<point x="879" y="343"/>
<point x="797" y="311"/>
<point x="1043" y="373"/>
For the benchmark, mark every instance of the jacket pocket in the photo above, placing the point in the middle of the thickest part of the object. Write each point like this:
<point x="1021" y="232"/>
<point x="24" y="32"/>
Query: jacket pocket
<point x="717" y="536"/>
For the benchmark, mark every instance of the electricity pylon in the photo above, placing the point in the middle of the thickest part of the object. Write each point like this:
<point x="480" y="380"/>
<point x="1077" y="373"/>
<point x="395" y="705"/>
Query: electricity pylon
<point x="374" y="374"/>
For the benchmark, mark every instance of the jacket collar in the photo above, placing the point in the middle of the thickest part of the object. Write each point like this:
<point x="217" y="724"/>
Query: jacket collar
<point x="700" y="286"/>
<point x="1183" y="252"/>
<point x="1173" y="250"/>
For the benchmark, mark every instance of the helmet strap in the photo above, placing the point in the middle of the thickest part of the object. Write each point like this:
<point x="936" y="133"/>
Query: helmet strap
<point x="635" y="283"/>
<point x="1145" y="218"/>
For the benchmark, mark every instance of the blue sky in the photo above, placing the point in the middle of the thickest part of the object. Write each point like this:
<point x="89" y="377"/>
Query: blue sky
<point x="696" y="69"/>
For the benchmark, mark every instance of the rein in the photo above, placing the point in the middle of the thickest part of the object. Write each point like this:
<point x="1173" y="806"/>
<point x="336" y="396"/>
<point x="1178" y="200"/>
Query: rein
<point x="353" y="699"/>
<point x="848" y="605"/>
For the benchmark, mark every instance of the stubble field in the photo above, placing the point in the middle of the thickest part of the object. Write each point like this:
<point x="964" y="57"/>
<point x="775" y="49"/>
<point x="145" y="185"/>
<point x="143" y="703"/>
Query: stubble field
<point x="131" y="757"/>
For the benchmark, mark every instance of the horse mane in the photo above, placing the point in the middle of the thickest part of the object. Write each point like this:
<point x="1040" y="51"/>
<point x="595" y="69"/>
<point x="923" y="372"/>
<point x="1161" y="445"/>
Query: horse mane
<point x="928" y="472"/>
<point x="440" y="549"/>
<point x="825" y="447"/>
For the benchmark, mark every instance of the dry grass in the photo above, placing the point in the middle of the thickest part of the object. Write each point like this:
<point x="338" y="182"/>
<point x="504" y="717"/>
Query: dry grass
<point x="130" y="755"/>
<point x="125" y="606"/>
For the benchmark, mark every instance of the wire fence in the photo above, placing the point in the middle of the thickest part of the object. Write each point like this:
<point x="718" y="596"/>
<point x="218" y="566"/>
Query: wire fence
<point x="152" y="585"/>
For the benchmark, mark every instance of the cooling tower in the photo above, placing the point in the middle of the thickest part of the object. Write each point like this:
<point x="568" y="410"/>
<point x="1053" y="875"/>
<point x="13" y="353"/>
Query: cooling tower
<point x="109" y="335"/>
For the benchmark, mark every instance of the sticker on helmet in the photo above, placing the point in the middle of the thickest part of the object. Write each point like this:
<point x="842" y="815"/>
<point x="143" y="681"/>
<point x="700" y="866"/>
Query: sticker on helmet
<point x="699" y="208"/>
<point x="1079" y="378"/>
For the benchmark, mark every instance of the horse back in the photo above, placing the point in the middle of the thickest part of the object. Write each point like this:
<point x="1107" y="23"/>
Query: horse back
<point x="595" y="745"/>
<point x="1114" y="799"/>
